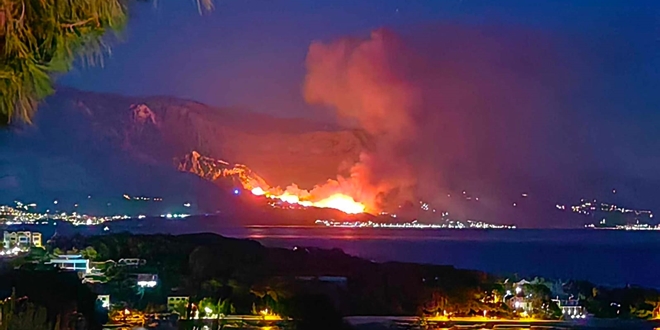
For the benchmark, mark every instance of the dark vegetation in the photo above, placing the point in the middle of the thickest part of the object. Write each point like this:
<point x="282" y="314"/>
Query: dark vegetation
<point x="208" y="265"/>
<point x="45" y="300"/>
<point x="245" y="272"/>
<point x="245" y="277"/>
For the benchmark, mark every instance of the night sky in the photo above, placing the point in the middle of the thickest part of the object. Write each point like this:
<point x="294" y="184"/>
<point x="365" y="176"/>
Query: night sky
<point x="251" y="53"/>
<point x="594" y="65"/>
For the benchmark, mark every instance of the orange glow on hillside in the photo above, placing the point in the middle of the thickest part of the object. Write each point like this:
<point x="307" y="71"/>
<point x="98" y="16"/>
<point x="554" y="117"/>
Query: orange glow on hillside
<point x="337" y="201"/>
<point x="258" y="191"/>
<point x="348" y="195"/>
<point x="341" y="202"/>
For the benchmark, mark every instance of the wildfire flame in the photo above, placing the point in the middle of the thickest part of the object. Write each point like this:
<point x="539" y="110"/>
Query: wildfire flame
<point x="340" y="194"/>
<point x="337" y="201"/>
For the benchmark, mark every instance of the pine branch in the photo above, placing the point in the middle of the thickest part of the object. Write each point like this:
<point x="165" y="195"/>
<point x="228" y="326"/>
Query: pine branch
<point x="39" y="38"/>
<point x="72" y="25"/>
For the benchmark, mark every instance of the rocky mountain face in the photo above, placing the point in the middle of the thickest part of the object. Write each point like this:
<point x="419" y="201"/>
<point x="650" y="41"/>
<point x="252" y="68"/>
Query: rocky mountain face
<point x="219" y="171"/>
<point x="160" y="129"/>
<point x="86" y="142"/>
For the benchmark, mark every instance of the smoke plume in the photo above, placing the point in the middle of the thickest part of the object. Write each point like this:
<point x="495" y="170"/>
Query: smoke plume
<point x="449" y="109"/>
<point x="367" y="83"/>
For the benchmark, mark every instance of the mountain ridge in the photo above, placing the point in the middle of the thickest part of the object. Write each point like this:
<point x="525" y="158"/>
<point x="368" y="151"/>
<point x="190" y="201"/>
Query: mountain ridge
<point x="161" y="129"/>
<point x="86" y="143"/>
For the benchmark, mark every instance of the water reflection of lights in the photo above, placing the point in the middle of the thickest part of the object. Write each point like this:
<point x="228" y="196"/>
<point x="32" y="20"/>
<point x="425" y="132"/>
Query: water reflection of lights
<point x="256" y="233"/>
<point x="348" y="235"/>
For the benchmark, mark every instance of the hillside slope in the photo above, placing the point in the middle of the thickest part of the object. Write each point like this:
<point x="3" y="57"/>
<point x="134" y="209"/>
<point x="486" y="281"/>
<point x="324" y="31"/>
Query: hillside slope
<point x="159" y="129"/>
<point x="89" y="143"/>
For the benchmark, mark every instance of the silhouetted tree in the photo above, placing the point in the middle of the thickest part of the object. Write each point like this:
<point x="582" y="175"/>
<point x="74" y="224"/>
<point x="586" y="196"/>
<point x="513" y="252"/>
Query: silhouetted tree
<point x="315" y="312"/>
<point x="89" y="253"/>
<point x="15" y="315"/>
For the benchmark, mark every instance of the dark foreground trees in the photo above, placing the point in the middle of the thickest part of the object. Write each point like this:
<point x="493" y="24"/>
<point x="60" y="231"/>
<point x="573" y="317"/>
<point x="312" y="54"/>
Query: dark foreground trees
<point x="247" y="273"/>
<point x="316" y="312"/>
<point x="45" y="299"/>
<point x="23" y="315"/>
<point x="249" y="276"/>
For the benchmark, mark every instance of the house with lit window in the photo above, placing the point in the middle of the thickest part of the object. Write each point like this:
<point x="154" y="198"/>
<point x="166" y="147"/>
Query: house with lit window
<point x="71" y="262"/>
<point x="570" y="308"/>
<point x="146" y="280"/>
<point x="21" y="239"/>
<point x="520" y="304"/>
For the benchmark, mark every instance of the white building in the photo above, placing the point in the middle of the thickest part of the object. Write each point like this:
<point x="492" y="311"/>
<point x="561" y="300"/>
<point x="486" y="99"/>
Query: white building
<point x="570" y="308"/>
<point x="71" y="262"/>
<point x="147" y="280"/>
<point x="21" y="238"/>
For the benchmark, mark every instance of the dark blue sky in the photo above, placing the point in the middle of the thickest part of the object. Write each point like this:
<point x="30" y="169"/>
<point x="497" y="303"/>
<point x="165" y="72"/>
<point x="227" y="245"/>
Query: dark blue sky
<point x="251" y="54"/>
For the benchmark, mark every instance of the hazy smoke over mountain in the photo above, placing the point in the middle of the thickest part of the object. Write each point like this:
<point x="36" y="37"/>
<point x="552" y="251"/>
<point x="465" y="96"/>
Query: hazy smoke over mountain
<point x="448" y="108"/>
<point x="366" y="81"/>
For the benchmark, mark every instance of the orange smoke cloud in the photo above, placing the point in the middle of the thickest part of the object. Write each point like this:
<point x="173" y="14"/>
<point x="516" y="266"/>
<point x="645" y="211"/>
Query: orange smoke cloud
<point x="363" y="81"/>
<point x="450" y="109"/>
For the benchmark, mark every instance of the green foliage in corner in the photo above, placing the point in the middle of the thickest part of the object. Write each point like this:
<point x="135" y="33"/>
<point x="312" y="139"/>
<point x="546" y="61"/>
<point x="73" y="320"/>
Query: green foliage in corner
<point x="40" y="38"/>
<point x="26" y="316"/>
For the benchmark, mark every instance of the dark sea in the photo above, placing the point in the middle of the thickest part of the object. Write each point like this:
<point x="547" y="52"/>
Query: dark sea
<point x="605" y="257"/>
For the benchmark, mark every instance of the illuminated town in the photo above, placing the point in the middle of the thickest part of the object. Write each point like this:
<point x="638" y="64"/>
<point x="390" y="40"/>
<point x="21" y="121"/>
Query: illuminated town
<point x="612" y="216"/>
<point x="448" y="224"/>
<point x="25" y="214"/>
<point x="643" y="226"/>
<point x="593" y="207"/>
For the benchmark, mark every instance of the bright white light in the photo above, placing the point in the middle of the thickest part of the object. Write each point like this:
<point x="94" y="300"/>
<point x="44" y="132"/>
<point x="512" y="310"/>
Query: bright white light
<point x="208" y="310"/>
<point x="186" y="204"/>
<point x="148" y="284"/>
<point x="169" y="215"/>
<point x="518" y="289"/>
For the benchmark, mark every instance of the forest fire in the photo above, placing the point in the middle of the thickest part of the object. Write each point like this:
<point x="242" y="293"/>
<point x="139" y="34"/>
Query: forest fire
<point x="337" y="201"/>
<point x="332" y="194"/>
